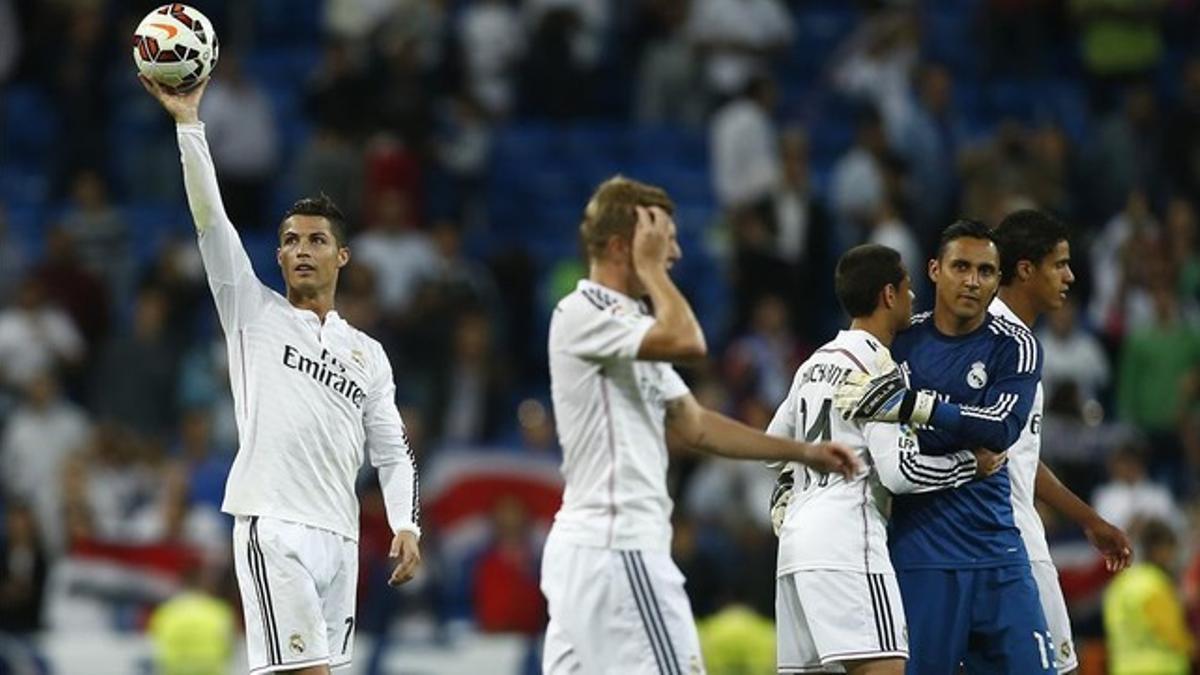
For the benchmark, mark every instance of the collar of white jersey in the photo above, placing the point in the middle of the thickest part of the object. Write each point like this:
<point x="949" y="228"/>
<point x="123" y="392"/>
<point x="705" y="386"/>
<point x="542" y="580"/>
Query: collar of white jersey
<point x="626" y="300"/>
<point x="1001" y="309"/>
<point x="331" y="317"/>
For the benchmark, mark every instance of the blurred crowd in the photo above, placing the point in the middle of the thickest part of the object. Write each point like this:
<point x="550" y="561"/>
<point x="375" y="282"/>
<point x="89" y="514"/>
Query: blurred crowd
<point x="821" y="125"/>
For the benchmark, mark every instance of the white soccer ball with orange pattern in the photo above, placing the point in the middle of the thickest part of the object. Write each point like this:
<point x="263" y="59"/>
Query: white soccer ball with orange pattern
<point x="176" y="46"/>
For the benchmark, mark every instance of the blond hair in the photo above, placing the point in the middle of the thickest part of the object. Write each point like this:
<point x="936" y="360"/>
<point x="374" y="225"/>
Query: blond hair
<point x="610" y="212"/>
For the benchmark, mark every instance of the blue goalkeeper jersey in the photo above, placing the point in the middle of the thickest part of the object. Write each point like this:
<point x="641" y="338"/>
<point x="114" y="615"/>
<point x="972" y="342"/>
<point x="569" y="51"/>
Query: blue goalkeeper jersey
<point x="989" y="377"/>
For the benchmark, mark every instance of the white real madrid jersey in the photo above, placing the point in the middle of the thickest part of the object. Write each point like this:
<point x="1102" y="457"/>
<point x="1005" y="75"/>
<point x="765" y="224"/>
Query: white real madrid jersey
<point x="311" y="397"/>
<point x="1023" y="459"/>
<point x="610" y="410"/>
<point x="832" y="522"/>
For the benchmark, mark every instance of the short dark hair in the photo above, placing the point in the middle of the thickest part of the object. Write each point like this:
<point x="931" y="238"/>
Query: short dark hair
<point x="963" y="228"/>
<point x="1027" y="234"/>
<point x="322" y="206"/>
<point x="864" y="271"/>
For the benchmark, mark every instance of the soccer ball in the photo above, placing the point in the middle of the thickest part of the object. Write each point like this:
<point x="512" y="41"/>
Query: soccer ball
<point x="176" y="46"/>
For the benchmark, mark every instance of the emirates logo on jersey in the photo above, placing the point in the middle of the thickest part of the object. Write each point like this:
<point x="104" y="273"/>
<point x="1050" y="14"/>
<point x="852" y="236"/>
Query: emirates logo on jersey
<point x="327" y="371"/>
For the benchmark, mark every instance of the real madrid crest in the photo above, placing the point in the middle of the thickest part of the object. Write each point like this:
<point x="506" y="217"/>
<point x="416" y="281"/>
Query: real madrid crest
<point x="977" y="376"/>
<point x="296" y="643"/>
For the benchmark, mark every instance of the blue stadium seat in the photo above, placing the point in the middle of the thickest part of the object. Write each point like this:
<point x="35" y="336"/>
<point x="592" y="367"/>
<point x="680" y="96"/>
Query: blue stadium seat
<point x="23" y="185"/>
<point x="30" y="122"/>
<point x="819" y="31"/>
<point x="26" y="223"/>
<point x="288" y="21"/>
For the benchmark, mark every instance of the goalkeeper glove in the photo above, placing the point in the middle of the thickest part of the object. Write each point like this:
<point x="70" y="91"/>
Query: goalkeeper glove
<point x="780" y="497"/>
<point x="883" y="398"/>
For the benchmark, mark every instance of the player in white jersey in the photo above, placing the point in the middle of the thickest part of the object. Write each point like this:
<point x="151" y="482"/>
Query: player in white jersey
<point x="837" y="605"/>
<point x="1035" y="276"/>
<point x="312" y="394"/>
<point x="616" y="600"/>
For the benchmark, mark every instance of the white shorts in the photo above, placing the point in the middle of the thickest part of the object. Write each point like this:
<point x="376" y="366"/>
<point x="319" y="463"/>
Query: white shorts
<point x="298" y="590"/>
<point x="825" y="617"/>
<point x="619" y="612"/>
<point x="1057" y="620"/>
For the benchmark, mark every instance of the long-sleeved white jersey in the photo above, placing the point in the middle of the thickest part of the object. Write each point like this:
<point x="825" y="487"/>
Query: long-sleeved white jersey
<point x="1023" y="459"/>
<point x="832" y="522"/>
<point x="310" y="396"/>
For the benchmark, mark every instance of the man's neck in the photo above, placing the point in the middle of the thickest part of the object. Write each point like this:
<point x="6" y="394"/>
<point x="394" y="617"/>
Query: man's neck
<point x="878" y="326"/>
<point x="610" y="276"/>
<point x="1020" y="304"/>
<point x="320" y="303"/>
<point x="948" y="324"/>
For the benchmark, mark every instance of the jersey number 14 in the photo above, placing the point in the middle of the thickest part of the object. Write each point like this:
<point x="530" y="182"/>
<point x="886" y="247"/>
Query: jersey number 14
<point x="821" y="430"/>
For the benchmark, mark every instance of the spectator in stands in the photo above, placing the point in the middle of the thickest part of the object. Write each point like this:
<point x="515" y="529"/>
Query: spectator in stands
<point x="103" y="240"/>
<point x="1182" y="154"/>
<point x="1130" y="497"/>
<point x="875" y="64"/>
<point x="41" y="435"/>
<point x="505" y="580"/>
<point x="13" y="256"/>
<point x="1157" y="358"/>
<point x="1015" y="35"/>
<point x="1143" y="617"/>
<point x="73" y="287"/>
<point x="1121" y="41"/>
<point x="74" y="50"/>
<point x="670" y="89"/>
<point x="492" y="38"/>
<point x="464" y="147"/>
<point x="801" y="235"/>
<point x="1116" y="257"/>
<point x="194" y="631"/>
<point x="557" y="72"/>
<point x="36" y="337"/>
<point x="737" y="39"/>
<point x="243" y="131"/>
<point x="337" y="96"/>
<point x="857" y="186"/>
<point x="760" y="363"/>
<point x="468" y="399"/>
<point x="23" y="571"/>
<point x="1181" y="236"/>
<point x="121" y="490"/>
<point x="887" y="227"/>
<point x="1072" y="355"/>
<point x="134" y="379"/>
<point x="1126" y="151"/>
<point x="398" y="254"/>
<point x="745" y="147"/>
<point x="928" y="135"/>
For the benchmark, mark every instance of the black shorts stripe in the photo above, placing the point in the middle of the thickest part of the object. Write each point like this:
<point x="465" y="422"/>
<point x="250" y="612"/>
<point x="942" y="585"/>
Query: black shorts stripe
<point x="640" y="564"/>
<point x="876" y="610"/>
<point x="887" y="605"/>
<point x="651" y="632"/>
<point x="252" y="561"/>
<point x="268" y="609"/>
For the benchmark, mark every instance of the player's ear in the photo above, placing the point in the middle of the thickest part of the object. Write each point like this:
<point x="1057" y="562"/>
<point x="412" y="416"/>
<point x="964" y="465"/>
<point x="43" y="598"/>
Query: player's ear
<point x="279" y="255"/>
<point x="343" y="256"/>
<point x="887" y="296"/>
<point x="1024" y="269"/>
<point x="933" y="269"/>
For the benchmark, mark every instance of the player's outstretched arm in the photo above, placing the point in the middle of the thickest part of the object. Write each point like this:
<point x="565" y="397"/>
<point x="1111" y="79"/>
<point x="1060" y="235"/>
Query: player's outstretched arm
<point x="714" y="433"/>
<point x="238" y="293"/>
<point x="676" y="335"/>
<point x="1112" y="543"/>
<point x="902" y="468"/>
